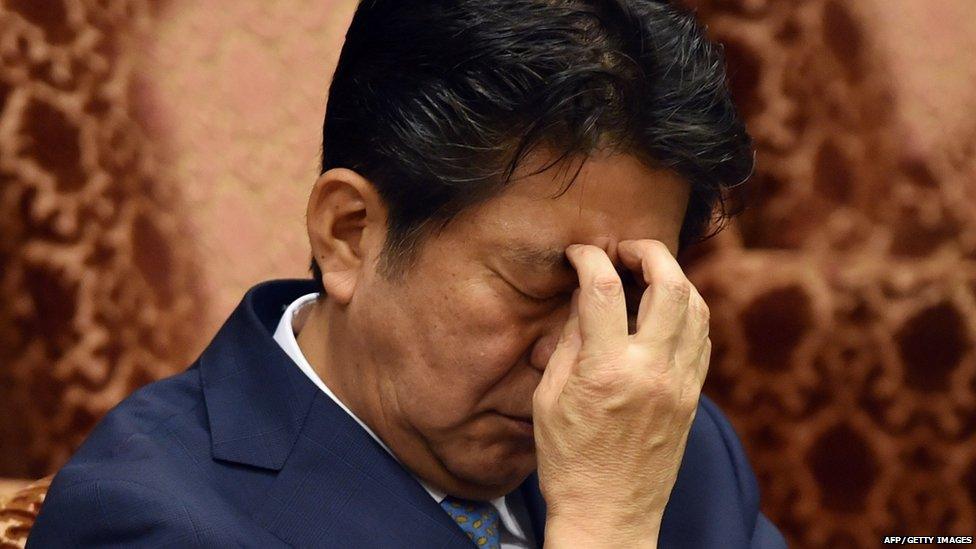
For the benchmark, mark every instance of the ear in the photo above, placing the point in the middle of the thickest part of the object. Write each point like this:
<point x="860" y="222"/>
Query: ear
<point x="346" y="222"/>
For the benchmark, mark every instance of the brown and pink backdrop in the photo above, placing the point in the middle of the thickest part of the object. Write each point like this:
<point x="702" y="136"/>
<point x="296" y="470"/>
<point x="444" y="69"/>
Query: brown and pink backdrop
<point x="155" y="159"/>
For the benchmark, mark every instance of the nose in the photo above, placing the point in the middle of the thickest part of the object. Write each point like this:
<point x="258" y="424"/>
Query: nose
<point x="543" y="349"/>
<point x="545" y="345"/>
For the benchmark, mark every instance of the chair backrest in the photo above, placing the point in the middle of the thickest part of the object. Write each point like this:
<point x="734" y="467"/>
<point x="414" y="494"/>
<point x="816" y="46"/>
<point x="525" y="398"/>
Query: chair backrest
<point x="18" y="512"/>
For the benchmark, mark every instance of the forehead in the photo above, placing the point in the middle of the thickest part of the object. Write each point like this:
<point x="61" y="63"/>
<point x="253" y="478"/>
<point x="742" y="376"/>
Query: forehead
<point x="614" y="197"/>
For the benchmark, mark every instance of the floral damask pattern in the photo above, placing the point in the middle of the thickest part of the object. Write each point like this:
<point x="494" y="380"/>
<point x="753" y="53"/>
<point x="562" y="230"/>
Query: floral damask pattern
<point x="19" y="510"/>
<point x="96" y="294"/>
<point x="843" y="301"/>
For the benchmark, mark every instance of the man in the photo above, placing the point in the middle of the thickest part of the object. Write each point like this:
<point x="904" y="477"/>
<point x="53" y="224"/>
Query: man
<point x="497" y="347"/>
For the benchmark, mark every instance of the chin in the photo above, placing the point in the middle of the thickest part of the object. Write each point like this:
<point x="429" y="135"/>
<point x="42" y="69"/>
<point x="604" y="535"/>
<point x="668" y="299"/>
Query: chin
<point x="497" y="470"/>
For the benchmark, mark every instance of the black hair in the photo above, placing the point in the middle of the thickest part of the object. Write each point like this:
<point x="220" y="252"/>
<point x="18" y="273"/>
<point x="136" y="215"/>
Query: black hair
<point x="437" y="102"/>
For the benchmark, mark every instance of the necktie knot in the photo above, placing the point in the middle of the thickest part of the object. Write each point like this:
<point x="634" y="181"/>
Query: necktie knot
<point x="478" y="519"/>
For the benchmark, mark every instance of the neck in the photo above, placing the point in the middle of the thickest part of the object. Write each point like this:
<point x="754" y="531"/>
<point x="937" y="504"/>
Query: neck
<point x="325" y="343"/>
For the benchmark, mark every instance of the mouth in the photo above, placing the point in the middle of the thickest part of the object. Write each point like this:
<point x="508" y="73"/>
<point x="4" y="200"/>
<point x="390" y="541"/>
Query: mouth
<point x="527" y="418"/>
<point x="521" y="423"/>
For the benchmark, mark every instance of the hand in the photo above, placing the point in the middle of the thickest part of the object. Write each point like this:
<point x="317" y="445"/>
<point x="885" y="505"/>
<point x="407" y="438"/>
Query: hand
<point x="613" y="410"/>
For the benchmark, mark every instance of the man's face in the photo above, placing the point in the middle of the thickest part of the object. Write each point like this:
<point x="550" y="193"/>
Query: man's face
<point x="462" y="340"/>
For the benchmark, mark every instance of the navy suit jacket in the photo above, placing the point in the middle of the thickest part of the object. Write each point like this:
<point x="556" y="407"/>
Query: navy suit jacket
<point x="242" y="449"/>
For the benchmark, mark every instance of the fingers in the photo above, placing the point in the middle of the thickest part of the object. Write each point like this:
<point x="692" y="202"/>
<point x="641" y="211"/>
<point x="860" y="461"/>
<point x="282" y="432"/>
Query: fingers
<point x="696" y="328"/>
<point x="695" y="373"/>
<point x="704" y="360"/>
<point x="602" y="304"/>
<point x="661" y="317"/>
<point x="672" y="320"/>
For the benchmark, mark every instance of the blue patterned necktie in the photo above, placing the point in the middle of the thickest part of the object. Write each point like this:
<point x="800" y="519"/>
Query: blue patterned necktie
<point x="478" y="519"/>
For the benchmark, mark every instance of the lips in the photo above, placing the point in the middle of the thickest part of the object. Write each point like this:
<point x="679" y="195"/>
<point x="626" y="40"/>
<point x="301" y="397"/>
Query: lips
<point x="524" y="419"/>
<point x="520" y="425"/>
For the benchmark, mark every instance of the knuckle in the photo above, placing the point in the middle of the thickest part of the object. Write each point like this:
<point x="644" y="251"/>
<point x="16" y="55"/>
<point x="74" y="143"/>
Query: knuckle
<point x="702" y="376"/>
<point x="601" y="385"/>
<point x="658" y="387"/>
<point x="701" y="330"/>
<point x="676" y="290"/>
<point x="649" y="360"/>
<point x="664" y="379"/>
<point x="700" y="310"/>
<point x="690" y="404"/>
<point x="607" y="285"/>
<point x="704" y="361"/>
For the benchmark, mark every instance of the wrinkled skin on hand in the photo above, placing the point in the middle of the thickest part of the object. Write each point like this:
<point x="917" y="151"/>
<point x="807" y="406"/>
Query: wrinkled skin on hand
<point x="613" y="409"/>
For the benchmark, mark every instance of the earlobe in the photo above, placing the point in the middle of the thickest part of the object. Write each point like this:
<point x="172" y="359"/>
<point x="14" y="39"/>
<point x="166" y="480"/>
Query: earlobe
<point x="342" y="210"/>
<point x="340" y="285"/>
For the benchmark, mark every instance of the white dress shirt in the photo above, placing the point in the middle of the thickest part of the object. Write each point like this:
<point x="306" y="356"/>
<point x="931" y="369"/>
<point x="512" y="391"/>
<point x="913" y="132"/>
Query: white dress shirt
<point x="514" y="533"/>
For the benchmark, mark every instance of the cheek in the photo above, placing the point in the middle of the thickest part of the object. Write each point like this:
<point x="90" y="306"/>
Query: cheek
<point x="466" y="350"/>
<point x="478" y="337"/>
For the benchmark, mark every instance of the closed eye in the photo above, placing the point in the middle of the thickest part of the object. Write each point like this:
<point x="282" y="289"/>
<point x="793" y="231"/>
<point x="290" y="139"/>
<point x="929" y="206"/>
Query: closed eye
<point x="535" y="299"/>
<point x="532" y="298"/>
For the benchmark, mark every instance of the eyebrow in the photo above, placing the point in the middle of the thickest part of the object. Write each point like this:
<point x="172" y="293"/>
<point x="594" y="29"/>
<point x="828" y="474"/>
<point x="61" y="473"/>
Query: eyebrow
<point x="555" y="259"/>
<point x="532" y="256"/>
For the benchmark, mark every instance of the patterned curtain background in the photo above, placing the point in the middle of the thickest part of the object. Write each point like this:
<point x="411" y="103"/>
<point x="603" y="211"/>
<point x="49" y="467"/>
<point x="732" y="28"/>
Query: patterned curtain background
<point x="155" y="159"/>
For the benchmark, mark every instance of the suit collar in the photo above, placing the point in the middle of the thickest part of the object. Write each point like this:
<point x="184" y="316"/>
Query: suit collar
<point x="536" y="506"/>
<point x="256" y="398"/>
<point x="265" y="412"/>
<point x="340" y="484"/>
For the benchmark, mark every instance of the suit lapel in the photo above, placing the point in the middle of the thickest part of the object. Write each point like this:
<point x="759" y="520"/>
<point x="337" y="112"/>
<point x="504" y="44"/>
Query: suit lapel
<point x="255" y="401"/>
<point x="536" y="506"/>
<point x="335" y="485"/>
<point x="340" y="488"/>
